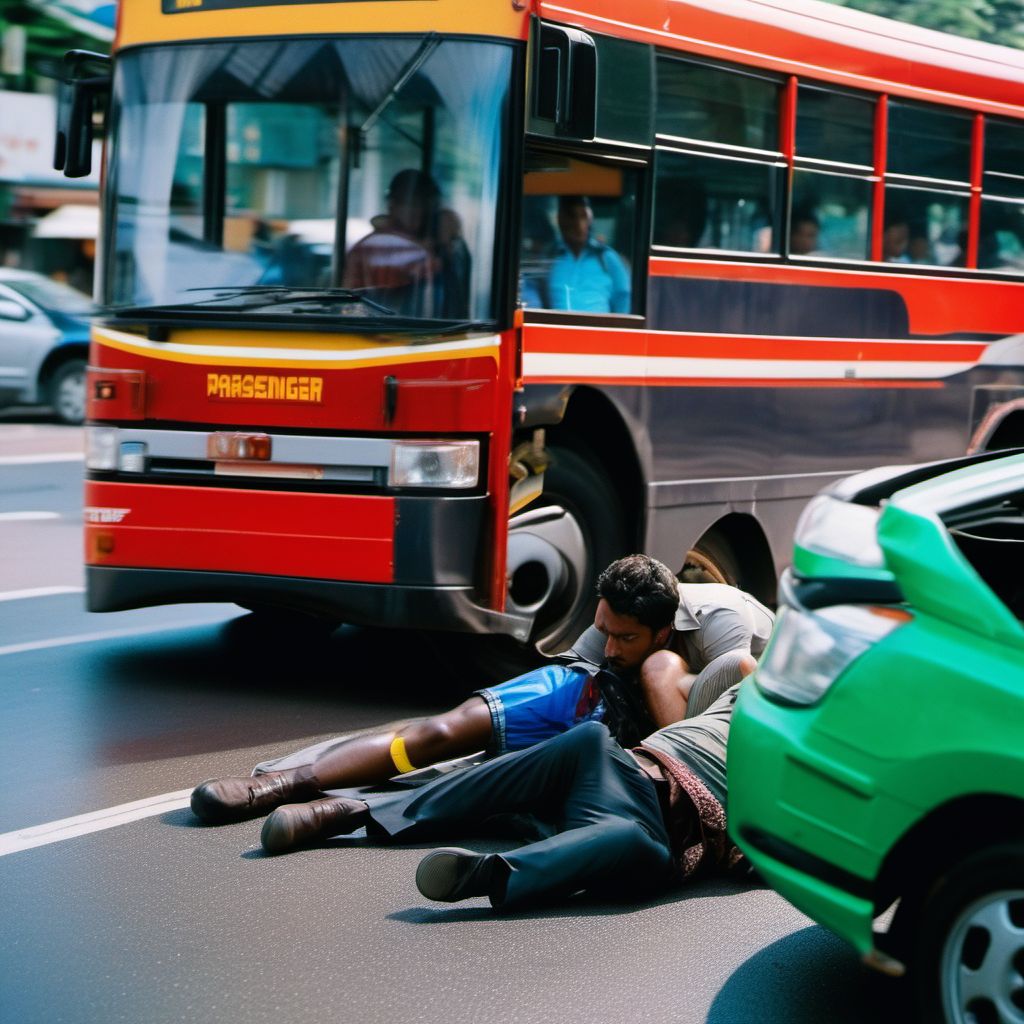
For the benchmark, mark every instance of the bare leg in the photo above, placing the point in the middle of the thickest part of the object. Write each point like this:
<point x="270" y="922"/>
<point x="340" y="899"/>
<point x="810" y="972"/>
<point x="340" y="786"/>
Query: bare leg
<point x="364" y="760"/>
<point x="361" y="761"/>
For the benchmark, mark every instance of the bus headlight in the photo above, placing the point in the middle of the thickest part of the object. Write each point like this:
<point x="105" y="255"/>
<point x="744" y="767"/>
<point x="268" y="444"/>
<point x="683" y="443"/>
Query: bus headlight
<point x="808" y="651"/>
<point x="434" y="464"/>
<point x="101" y="448"/>
<point x="842" y="530"/>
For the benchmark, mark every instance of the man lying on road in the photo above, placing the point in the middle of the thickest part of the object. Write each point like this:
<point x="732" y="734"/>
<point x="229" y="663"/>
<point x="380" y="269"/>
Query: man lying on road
<point x="659" y="650"/>
<point x="617" y="824"/>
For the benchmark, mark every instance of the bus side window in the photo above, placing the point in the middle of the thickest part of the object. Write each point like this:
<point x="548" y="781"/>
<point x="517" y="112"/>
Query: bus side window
<point x="710" y="202"/>
<point x="832" y="180"/>
<point x="578" y="236"/>
<point x="719" y="174"/>
<point x="926" y="220"/>
<point x="1001" y="245"/>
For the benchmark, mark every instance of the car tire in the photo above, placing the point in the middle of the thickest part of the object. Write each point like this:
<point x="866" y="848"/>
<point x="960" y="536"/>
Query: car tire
<point x="66" y="392"/>
<point x="968" y="965"/>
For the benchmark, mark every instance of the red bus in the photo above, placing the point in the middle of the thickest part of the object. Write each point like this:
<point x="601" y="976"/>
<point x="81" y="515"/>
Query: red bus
<point x="418" y="313"/>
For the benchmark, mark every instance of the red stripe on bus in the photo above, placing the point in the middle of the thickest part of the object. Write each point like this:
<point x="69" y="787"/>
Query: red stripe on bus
<point x="601" y="342"/>
<point x="732" y="382"/>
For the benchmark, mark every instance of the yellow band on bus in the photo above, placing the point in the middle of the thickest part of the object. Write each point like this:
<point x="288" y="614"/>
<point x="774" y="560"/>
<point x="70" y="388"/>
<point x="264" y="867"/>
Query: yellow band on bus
<point x="400" y="757"/>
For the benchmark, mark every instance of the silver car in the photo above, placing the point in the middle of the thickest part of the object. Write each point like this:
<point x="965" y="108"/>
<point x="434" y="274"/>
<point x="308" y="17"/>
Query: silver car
<point x="44" y="343"/>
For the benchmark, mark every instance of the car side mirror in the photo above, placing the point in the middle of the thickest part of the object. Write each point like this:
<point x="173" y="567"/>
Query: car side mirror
<point x="84" y="83"/>
<point x="11" y="310"/>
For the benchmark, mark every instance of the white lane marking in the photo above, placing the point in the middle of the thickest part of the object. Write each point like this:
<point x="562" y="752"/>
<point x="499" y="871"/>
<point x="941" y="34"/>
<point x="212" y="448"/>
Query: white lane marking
<point x="25" y="517"/>
<point x="28" y="460"/>
<point x="110" y="634"/>
<point x="95" y="821"/>
<point x="17" y="595"/>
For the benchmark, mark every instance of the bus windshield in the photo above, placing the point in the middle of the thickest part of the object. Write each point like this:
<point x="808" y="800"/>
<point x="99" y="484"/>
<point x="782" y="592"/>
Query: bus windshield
<point x="232" y="160"/>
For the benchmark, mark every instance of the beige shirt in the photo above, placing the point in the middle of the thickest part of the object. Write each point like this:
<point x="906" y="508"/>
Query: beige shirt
<point x="713" y="619"/>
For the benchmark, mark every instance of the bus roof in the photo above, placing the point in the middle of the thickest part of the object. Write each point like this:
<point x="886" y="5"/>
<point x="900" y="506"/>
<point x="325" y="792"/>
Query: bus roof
<point x="818" y="40"/>
<point x="807" y="38"/>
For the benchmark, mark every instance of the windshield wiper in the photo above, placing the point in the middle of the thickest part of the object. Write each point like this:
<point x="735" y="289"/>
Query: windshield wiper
<point x="283" y="295"/>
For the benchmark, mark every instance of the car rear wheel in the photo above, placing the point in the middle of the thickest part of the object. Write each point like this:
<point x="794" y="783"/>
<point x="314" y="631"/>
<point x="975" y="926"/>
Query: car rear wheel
<point x="969" y="963"/>
<point x="67" y="391"/>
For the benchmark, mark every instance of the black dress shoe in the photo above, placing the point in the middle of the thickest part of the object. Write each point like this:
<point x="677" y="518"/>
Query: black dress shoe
<point x="222" y="801"/>
<point x="452" y="874"/>
<point x="296" y="825"/>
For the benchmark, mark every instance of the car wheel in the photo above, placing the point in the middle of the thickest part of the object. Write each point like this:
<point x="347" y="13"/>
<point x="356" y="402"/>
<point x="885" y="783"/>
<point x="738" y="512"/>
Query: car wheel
<point x="969" y="963"/>
<point x="67" y="391"/>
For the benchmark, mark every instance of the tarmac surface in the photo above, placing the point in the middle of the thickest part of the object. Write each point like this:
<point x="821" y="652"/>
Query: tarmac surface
<point x="140" y="914"/>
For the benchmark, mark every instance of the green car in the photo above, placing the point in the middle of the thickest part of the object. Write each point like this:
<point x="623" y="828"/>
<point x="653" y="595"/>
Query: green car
<point x="876" y="756"/>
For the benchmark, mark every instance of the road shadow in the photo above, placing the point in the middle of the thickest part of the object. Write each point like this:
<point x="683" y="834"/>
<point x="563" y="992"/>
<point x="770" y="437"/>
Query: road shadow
<point x="203" y="688"/>
<point x="581" y="906"/>
<point x="259" y="657"/>
<point x="809" y="975"/>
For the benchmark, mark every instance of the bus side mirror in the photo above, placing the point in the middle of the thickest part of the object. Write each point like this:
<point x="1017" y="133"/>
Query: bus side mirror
<point x="565" y="80"/>
<point x="84" y="82"/>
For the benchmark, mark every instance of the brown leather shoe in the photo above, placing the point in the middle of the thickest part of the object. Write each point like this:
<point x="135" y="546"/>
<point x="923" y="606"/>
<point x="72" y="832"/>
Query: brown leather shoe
<point x="296" y="825"/>
<point x="222" y="801"/>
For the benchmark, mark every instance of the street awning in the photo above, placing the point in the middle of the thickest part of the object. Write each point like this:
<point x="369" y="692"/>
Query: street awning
<point x="69" y="221"/>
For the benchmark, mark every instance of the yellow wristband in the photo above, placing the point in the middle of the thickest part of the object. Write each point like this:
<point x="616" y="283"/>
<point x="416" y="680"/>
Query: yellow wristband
<point x="400" y="757"/>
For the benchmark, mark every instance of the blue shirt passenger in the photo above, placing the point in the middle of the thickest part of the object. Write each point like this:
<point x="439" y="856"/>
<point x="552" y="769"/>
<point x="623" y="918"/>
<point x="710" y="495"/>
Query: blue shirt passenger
<point x="586" y="275"/>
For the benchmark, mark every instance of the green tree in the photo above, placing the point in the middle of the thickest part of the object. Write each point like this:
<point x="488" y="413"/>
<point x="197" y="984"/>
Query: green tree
<point x="48" y="38"/>
<point x="993" y="21"/>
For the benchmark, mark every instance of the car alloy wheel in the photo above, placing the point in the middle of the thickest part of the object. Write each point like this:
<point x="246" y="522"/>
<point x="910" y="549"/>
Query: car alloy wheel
<point x="982" y="966"/>
<point x="67" y="392"/>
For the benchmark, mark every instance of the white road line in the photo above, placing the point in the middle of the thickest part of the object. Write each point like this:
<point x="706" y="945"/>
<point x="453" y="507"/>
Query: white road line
<point x="25" y="517"/>
<point x="17" y="595"/>
<point x="28" y="460"/>
<point x="110" y="634"/>
<point x="95" y="821"/>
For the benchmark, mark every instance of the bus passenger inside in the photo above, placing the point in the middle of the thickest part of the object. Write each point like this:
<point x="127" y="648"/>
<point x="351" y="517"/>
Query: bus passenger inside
<point x="573" y="268"/>
<point x="804" y="233"/>
<point x="586" y="275"/>
<point x="415" y="260"/>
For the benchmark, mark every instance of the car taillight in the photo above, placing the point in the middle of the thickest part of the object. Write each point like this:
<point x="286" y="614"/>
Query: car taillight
<point x="115" y="394"/>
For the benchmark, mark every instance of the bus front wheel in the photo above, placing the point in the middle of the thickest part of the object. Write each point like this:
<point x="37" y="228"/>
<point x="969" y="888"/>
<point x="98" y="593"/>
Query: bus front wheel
<point x="559" y="545"/>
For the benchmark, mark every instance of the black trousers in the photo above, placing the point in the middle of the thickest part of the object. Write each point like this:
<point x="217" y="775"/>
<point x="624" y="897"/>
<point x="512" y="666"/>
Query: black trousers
<point x="609" y="833"/>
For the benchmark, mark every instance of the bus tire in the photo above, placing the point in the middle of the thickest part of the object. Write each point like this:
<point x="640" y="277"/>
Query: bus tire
<point x="714" y="558"/>
<point x="576" y="482"/>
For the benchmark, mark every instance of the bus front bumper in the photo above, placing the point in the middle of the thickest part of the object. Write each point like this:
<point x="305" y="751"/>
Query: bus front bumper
<point x="389" y="560"/>
<point x="369" y="604"/>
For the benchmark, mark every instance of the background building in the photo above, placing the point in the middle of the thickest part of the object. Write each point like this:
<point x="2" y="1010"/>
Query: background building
<point x="47" y="222"/>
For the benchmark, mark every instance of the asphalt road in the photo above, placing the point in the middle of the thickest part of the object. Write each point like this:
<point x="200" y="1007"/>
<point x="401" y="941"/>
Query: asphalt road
<point x="160" y="919"/>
